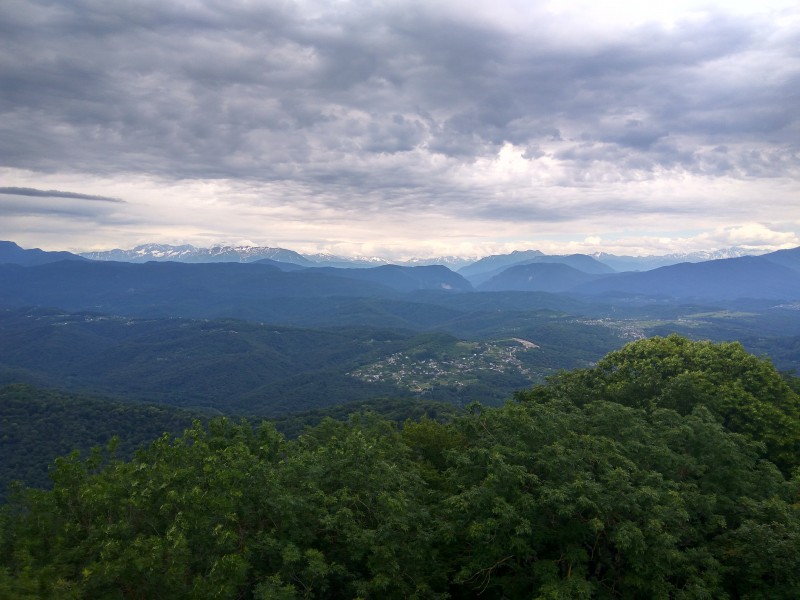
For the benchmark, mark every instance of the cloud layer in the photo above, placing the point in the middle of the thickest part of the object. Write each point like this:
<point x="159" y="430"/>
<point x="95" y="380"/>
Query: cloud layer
<point x="325" y="123"/>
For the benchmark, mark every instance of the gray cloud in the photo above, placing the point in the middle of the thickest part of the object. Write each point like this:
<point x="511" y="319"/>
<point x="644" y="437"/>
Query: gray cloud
<point x="383" y="106"/>
<point x="21" y="191"/>
<point x="36" y="206"/>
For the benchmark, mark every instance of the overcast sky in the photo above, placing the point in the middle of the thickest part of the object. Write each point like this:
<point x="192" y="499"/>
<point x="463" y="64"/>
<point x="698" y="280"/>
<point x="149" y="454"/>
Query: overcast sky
<point x="401" y="128"/>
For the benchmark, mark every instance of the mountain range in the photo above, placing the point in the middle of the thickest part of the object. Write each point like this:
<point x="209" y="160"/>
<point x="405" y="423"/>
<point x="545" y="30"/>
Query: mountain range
<point x="730" y="278"/>
<point x="230" y="253"/>
<point x="232" y="275"/>
<point x="465" y="265"/>
<point x="190" y="254"/>
<point x="647" y="263"/>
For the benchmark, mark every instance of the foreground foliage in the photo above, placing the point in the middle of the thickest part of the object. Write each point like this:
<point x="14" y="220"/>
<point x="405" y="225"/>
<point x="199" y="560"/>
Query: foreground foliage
<point x="605" y="483"/>
<point x="38" y="425"/>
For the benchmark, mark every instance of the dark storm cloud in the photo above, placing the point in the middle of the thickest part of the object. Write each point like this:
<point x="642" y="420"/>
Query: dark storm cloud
<point x="381" y="100"/>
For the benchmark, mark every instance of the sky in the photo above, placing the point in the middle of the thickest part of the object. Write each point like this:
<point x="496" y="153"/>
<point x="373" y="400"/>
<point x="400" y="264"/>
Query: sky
<point x="401" y="128"/>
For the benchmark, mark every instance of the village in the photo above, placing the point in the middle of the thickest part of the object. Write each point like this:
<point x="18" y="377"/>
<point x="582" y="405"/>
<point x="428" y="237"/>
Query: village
<point x="456" y="365"/>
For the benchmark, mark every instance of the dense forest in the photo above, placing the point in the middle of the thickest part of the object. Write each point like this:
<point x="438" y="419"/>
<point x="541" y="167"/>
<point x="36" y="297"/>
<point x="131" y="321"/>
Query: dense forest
<point x="669" y="470"/>
<point x="39" y="425"/>
<point x="230" y="366"/>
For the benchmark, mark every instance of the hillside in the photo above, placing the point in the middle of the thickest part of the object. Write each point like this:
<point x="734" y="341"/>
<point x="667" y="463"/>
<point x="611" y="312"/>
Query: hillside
<point x="238" y="367"/>
<point x="40" y="425"/>
<point x="404" y="279"/>
<point x="537" y="277"/>
<point x="787" y="258"/>
<point x="223" y="365"/>
<point x="485" y="269"/>
<point x="11" y="253"/>
<point x="724" y="279"/>
<point x="168" y="287"/>
<point x="207" y="289"/>
<point x="498" y="261"/>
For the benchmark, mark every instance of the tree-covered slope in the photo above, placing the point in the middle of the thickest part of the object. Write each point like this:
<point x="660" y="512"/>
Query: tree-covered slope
<point x="403" y="278"/>
<point x="744" y="392"/>
<point x="224" y="365"/>
<point x="38" y="425"/>
<point x="724" y="279"/>
<point x="169" y="289"/>
<point x="252" y="368"/>
<point x="537" y="277"/>
<point x="582" y="263"/>
<point x="11" y="253"/>
<point x="569" y="492"/>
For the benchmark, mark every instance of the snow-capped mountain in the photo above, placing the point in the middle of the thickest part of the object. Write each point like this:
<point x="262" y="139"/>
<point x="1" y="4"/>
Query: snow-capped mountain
<point x="326" y="259"/>
<point x="465" y="265"/>
<point x="191" y="254"/>
<point x="647" y="263"/>
<point x="142" y="253"/>
<point x="451" y="262"/>
<point x="230" y="253"/>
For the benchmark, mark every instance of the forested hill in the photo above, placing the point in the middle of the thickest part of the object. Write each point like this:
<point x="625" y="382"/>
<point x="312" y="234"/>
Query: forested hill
<point x="12" y="253"/>
<point x="246" y="368"/>
<point x="664" y="472"/>
<point x="732" y="278"/>
<point x="37" y="426"/>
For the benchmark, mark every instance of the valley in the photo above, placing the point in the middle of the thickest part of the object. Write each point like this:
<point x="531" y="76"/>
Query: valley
<point x="268" y="337"/>
<point x="278" y="340"/>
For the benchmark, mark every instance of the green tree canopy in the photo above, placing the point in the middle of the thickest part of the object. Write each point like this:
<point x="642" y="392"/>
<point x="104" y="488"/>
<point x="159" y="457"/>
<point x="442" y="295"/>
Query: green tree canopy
<point x="746" y="393"/>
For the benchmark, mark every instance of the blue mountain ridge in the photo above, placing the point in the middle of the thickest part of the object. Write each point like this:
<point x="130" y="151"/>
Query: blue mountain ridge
<point x="537" y="277"/>
<point x="11" y="253"/>
<point x="726" y="279"/>
<point x="42" y="278"/>
<point x="581" y="262"/>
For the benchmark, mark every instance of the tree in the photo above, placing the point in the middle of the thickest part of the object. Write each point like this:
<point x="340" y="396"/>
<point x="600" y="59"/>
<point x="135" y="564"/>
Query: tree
<point x="746" y="393"/>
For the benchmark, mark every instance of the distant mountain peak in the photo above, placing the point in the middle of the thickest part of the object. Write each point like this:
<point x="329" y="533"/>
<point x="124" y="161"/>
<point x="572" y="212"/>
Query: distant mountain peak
<point x="12" y="253"/>
<point x="649" y="262"/>
<point x="485" y="269"/>
<point x="496" y="261"/>
<point x="191" y="254"/>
